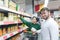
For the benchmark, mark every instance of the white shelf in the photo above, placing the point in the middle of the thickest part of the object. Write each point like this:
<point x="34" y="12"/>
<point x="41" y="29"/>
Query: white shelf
<point x="11" y="34"/>
<point x="9" y="10"/>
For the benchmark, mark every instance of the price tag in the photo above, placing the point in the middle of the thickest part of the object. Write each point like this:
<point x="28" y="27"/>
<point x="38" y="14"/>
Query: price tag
<point x="6" y="23"/>
<point x="4" y="37"/>
<point x="11" y="34"/>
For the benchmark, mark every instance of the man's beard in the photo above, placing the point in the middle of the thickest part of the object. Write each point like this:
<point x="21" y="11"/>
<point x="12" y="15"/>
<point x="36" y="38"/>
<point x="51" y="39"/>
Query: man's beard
<point x="46" y="18"/>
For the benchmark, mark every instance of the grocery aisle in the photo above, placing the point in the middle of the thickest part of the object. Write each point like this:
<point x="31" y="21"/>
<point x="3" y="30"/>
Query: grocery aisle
<point x="11" y="25"/>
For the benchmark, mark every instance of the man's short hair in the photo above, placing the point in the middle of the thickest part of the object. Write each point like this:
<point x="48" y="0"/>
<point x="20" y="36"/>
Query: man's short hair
<point x="43" y="9"/>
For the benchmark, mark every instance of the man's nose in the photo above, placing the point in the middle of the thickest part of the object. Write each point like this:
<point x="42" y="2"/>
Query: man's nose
<point x="42" y="15"/>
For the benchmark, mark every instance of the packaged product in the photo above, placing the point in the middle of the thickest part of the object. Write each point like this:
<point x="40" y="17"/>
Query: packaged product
<point x="0" y="31"/>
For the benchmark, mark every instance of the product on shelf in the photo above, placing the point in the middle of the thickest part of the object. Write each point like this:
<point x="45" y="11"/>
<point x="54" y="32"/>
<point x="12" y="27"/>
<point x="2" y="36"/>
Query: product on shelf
<point x="0" y="31"/>
<point x="16" y="28"/>
<point x="1" y="3"/>
<point x="5" y="19"/>
<point x="10" y="16"/>
<point x="6" y="3"/>
<point x="17" y="7"/>
<point x="24" y="26"/>
<point x="17" y="37"/>
<point x="19" y="19"/>
<point x="15" y="17"/>
<point x="11" y="29"/>
<point x="1" y="16"/>
<point x="4" y="30"/>
<point x="12" y="5"/>
<point x="8" y="29"/>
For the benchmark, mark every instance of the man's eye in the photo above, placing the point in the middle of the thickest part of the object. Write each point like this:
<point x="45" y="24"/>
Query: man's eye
<point x="42" y="13"/>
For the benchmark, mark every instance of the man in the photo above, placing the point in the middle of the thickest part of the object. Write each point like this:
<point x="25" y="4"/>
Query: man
<point x="49" y="29"/>
<point x="32" y="27"/>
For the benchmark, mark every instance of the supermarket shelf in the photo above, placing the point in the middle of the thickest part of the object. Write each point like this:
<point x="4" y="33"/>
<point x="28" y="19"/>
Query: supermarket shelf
<point x="13" y="11"/>
<point x="10" y="22"/>
<point x="4" y="37"/>
<point x="9" y="35"/>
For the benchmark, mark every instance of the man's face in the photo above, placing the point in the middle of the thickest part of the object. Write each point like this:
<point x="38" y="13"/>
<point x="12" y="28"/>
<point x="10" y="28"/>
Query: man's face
<point x="34" y="20"/>
<point x="44" y="15"/>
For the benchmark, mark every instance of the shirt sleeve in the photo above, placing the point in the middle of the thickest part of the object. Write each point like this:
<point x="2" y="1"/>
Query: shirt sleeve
<point x="24" y="21"/>
<point x="53" y="30"/>
<point x="39" y="30"/>
<point x="39" y="26"/>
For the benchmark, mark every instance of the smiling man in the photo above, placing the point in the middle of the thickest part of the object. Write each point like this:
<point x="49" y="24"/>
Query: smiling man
<point x="50" y="27"/>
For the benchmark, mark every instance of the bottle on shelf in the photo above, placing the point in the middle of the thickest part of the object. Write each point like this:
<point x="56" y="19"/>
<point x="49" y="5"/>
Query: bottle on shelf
<point x="16" y="28"/>
<point x="4" y="30"/>
<point x="11" y="29"/>
<point x="1" y="16"/>
<point x="0" y="31"/>
<point x="6" y="3"/>
<point x="12" y="5"/>
<point x="8" y="29"/>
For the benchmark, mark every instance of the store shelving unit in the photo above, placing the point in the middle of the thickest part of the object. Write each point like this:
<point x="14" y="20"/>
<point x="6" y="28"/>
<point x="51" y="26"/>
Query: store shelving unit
<point x="10" y="27"/>
<point x="8" y="35"/>
<point x="13" y="11"/>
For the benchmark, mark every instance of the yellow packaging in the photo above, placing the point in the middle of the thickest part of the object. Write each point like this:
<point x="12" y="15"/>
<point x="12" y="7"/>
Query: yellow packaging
<point x="15" y="18"/>
<point x="16" y="28"/>
<point x="13" y="38"/>
<point x="11" y="29"/>
<point x="1" y="16"/>
<point x="8" y="29"/>
<point x="10" y="14"/>
<point x="4" y="31"/>
<point x="12" y="5"/>
<point x="0" y="32"/>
